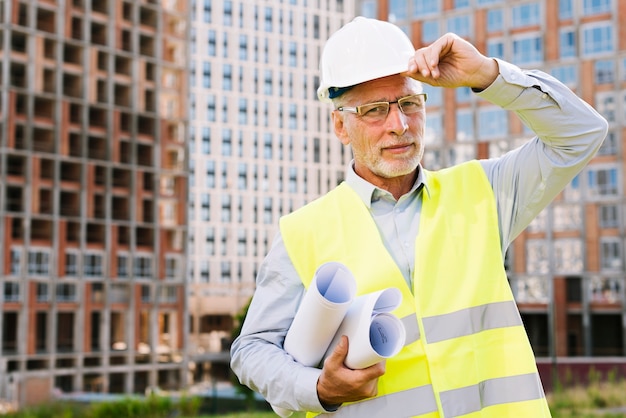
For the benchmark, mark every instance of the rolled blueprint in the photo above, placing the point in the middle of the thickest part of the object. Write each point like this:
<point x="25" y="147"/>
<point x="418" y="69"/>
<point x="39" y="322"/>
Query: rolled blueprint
<point x="321" y="311"/>
<point x="374" y="334"/>
<point x="329" y="309"/>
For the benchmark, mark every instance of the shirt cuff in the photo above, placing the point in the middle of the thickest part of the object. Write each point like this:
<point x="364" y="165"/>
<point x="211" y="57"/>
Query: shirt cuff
<point x="306" y="390"/>
<point x="508" y="86"/>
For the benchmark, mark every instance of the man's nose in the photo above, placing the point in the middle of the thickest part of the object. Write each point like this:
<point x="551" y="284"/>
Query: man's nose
<point x="396" y="119"/>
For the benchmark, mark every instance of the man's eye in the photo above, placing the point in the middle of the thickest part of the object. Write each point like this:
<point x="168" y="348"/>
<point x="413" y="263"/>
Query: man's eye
<point x="411" y="105"/>
<point x="375" y="110"/>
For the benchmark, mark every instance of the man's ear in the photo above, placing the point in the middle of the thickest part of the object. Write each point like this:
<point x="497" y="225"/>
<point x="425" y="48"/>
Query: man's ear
<point x="340" y="127"/>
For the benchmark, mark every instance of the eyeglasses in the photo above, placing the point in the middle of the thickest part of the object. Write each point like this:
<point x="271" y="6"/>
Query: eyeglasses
<point x="378" y="111"/>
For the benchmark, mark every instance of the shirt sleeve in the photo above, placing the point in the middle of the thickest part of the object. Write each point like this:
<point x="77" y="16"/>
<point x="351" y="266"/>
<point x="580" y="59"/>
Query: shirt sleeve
<point x="568" y="132"/>
<point x="257" y="355"/>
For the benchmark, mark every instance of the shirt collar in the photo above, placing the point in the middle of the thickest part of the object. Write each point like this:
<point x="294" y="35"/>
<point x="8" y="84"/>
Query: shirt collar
<point x="366" y="190"/>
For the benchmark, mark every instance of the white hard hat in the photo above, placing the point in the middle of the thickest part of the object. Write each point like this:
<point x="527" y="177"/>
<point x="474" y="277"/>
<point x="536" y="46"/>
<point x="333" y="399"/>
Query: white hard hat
<point x="362" y="50"/>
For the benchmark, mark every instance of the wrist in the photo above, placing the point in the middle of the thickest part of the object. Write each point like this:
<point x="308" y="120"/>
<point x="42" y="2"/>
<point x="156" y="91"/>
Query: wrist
<point x="489" y="72"/>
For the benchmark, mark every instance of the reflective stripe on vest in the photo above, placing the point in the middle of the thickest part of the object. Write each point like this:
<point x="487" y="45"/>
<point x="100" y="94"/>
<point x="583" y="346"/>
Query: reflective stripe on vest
<point x="471" y="320"/>
<point x="457" y="402"/>
<point x="491" y="392"/>
<point x="464" y="322"/>
<point x="411" y="328"/>
<point x="411" y="402"/>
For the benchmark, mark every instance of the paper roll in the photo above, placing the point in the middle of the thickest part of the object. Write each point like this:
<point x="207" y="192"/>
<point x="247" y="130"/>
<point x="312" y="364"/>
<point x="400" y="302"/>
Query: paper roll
<point x="329" y="310"/>
<point x="321" y="311"/>
<point x="374" y="334"/>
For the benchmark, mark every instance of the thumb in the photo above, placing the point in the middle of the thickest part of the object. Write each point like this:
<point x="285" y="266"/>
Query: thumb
<point x="340" y="352"/>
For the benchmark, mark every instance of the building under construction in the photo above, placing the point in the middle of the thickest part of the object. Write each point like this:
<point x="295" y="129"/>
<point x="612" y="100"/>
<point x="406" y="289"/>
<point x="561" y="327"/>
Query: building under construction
<point x="93" y="184"/>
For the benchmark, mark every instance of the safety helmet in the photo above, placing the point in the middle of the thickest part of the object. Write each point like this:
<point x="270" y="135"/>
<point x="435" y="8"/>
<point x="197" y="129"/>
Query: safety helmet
<point x="362" y="50"/>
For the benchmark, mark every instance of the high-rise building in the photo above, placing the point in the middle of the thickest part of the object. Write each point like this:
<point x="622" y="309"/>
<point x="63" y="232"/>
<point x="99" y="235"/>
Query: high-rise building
<point x="567" y="268"/>
<point x="260" y="146"/>
<point x="93" y="184"/>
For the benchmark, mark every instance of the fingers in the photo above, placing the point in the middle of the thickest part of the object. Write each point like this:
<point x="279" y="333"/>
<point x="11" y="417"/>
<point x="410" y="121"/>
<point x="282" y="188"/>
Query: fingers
<point x="338" y="383"/>
<point x="426" y="60"/>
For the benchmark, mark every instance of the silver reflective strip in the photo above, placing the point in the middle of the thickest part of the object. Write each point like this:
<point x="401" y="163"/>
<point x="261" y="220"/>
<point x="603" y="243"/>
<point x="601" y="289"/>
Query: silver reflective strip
<point x="408" y="403"/>
<point x="470" y="321"/>
<point x="501" y="390"/>
<point x="411" y="328"/>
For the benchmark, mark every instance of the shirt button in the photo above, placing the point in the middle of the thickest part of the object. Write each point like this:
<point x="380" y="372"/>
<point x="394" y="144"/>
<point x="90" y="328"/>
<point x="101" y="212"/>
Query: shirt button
<point x="406" y="244"/>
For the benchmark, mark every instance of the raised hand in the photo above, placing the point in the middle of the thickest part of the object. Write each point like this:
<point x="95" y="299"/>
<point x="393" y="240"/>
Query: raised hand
<point x="451" y="61"/>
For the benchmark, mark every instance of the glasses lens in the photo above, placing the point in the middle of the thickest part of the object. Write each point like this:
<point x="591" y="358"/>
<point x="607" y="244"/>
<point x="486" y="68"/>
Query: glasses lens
<point x="412" y="104"/>
<point x="374" y="111"/>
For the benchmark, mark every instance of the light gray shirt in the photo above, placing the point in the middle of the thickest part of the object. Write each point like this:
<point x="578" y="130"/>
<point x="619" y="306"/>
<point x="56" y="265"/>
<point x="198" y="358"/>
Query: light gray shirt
<point x="524" y="181"/>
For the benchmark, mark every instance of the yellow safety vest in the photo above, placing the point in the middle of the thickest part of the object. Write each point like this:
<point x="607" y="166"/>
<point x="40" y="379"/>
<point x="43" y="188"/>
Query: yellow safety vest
<point x="467" y="353"/>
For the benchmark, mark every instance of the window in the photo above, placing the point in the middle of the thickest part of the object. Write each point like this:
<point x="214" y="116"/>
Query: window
<point x="606" y="289"/>
<point x="210" y="174"/>
<point x="16" y="262"/>
<point x="531" y="289"/>
<point x="169" y="294"/>
<point x="206" y="75"/>
<point x="212" y="42"/>
<point x="609" y="216"/>
<point x="591" y="7"/>
<point x="71" y="264"/>
<point x="606" y="105"/>
<point x="610" y="253"/>
<point x="66" y="292"/>
<point x="204" y="271"/>
<point x="172" y="267"/>
<point x="495" y="48"/>
<point x="92" y="265"/>
<point x="528" y="50"/>
<point x="566" y="9"/>
<point x="43" y="292"/>
<point x="243" y="111"/>
<point x="225" y="272"/>
<point x="398" y="10"/>
<point x="122" y="266"/>
<point x="464" y="125"/>
<point x="228" y="12"/>
<point x="567" y="74"/>
<point x="424" y="7"/>
<point x="205" y="202"/>
<point x="11" y="292"/>
<point x="603" y="181"/>
<point x="143" y="266"/>
<point x="492" y="123"/>
<point x="227" y="77"/>
<point x="243" y="47"/>
<point x="567" y="43"/>
<point x="604" y="71"/>
<point x="526" y="15"/>
<point x="210" y="108"/>
<point x="369" y="9"/>
<point x="567" y="217"/>
<point x="568" y="255"/>
<point x="38" y="263"/>
<point x="430" y="29"/>
<point x="207" y="11"/>
<point x="537" y="261"/>
<point x="461" y="25"/>
<point x="610" y="144"/>
<point x="495" y="20"/>
<point x="597" y="39"/>
<point x="146" y="294"/>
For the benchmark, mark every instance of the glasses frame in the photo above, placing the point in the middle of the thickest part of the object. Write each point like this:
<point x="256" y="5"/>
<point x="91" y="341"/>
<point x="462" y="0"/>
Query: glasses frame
<point x="358" y="109"/>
